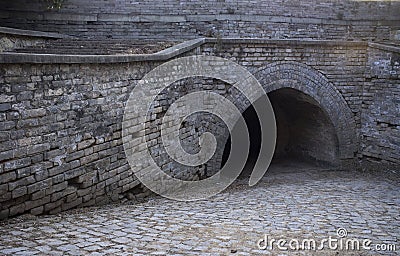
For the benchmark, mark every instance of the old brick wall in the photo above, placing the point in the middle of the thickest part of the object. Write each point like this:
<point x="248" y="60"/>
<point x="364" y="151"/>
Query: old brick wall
<point x="11" y="38"/>
<point x="341" y="63"/>
<point x="60" y="129"/>
<point x="327" y="19"/>
<point x="381" y="109"/>
<point x="61" y="135"/>
<point x="8" y="42"/>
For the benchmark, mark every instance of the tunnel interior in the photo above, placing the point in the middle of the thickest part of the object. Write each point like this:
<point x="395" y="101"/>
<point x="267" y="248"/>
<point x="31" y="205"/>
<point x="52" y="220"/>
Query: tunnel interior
<point x="304" y="132"/>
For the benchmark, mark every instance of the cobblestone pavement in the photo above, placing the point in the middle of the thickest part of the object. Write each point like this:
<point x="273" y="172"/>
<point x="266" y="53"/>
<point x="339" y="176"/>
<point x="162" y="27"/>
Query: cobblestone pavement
<point x="291" y="202"/>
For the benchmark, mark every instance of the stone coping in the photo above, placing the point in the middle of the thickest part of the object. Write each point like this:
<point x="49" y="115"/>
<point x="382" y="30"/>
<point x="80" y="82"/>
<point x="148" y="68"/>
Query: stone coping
<point x="11" y="57"/>
<point x="385" y="47"/>
<point x="31" y="33"/>
<point x="285" y="41"/>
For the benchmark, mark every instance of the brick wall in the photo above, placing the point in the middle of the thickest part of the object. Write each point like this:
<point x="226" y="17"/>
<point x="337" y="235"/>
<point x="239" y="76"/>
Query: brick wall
<point x="61" y="135"/>
<point x="60" y="124"/>
<point x="380" y="109"/>
<point x="9" y="42"/>
<point x="341" y="63"/>
<point x="327" y="19"/>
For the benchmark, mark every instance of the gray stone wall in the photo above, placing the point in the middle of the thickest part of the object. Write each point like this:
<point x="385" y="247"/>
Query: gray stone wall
<point x="170" y="19"/>
<point x="60" y="124"/>
<point x="61" y="135"/>
<point x="342" y="63"/>
<point x="11" y="38"/>
<point x="9" y="42"/>
<point x="380" y="109"/>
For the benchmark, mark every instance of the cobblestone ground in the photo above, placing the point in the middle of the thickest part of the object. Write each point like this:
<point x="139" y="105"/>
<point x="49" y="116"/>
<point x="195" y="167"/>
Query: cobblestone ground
<point x="291" y="202"/>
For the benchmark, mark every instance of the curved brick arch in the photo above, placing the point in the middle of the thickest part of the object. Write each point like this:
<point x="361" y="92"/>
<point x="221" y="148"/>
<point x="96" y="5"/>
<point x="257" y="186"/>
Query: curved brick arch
<point x="303" y="78"/>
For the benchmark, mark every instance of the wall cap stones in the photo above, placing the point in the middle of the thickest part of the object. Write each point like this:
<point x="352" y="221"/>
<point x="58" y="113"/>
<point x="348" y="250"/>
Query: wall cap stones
<point x="11" y="57"/>
<point x="166" y="54"/>
<point x="388" y="48"/>
<point x="285" y="41"/>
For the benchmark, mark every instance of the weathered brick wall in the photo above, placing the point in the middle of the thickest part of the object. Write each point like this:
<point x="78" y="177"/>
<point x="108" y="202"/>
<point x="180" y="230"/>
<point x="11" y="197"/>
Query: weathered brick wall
<point x="60" y="129"/>
<point x="11" y="38"/>
<point x="9" y="42"/>
<point x="341" y="63"/>
<point x="381" y="109"/>
<point x="327" y="19"/>
<point x="61" y="135"/>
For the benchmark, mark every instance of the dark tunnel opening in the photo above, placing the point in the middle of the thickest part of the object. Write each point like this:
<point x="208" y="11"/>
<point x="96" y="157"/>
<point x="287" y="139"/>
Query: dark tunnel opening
<point x="304" y="132"/>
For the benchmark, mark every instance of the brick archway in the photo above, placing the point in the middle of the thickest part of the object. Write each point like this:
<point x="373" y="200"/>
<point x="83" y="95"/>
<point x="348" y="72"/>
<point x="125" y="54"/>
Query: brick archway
<point x="305" y="79"/>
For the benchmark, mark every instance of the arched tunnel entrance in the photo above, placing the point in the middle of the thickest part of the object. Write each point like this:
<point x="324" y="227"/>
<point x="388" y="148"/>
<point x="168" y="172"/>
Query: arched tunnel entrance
<point x="304" y="132"/>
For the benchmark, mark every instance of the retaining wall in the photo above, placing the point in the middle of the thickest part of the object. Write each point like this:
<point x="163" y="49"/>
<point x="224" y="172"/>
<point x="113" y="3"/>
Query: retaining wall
<point x="61" y="116"/>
